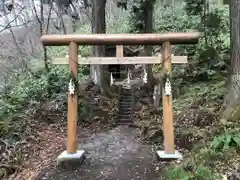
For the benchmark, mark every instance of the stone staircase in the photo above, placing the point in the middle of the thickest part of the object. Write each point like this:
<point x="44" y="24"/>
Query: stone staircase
<point x="125" y="107"/>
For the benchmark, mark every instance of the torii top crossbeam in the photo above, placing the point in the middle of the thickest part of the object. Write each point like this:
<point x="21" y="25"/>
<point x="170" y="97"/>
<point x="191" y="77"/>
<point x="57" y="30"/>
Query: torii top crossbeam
<point x="121" y="39"/>
<point x="166" y="40"/>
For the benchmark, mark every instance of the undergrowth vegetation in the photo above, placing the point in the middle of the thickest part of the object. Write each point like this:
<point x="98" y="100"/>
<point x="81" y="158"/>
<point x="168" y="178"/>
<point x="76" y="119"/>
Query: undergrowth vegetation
<point x="214" y="154"/>
<point x="211" y="160"/>
<point x="31" y="90"/>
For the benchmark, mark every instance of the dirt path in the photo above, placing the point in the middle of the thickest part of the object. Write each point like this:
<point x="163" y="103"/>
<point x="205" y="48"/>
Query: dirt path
<point x="117" y="154"/>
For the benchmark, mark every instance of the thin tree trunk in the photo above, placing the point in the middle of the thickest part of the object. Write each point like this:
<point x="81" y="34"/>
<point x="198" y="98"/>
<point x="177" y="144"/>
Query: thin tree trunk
<point x="41" y="32"/>
<point x="149" y="5"/>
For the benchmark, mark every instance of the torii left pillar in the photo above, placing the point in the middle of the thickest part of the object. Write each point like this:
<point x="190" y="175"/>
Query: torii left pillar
<point x="72" y="154"/>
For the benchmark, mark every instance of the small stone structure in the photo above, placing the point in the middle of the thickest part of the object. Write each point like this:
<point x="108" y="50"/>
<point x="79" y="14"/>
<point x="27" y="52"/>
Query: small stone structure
<point x="119" y="71"/>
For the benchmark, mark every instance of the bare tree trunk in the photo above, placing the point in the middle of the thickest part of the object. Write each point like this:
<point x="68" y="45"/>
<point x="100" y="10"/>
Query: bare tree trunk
<point x="41" y="32"/>
<point x="99" y="26"/>
<point x="231" y="106"/>
<point x="157" y="95"/>
<point x="149" y="29"/>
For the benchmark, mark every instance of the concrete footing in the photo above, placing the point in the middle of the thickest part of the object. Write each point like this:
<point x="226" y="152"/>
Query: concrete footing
<point x="167" y="156"/>
<point x="68" y="158"/>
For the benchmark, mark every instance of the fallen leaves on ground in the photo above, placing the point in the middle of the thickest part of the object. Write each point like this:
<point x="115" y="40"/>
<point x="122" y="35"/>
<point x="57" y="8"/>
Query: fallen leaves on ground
<point x="40" y="131"/>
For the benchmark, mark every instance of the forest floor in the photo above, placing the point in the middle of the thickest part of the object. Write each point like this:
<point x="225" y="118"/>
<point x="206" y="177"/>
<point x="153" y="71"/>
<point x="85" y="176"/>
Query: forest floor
<point x="110" y="155"/>
<point x="114" y="152"/>
<point x="111" y="152"/>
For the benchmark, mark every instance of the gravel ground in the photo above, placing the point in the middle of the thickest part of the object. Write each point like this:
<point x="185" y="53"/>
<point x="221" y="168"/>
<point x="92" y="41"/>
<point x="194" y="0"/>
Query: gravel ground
<point x="117" y="154"/>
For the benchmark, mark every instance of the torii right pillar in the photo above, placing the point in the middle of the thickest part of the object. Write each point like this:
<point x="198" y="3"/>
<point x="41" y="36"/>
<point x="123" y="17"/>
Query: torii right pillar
<point x="168" y="126"/>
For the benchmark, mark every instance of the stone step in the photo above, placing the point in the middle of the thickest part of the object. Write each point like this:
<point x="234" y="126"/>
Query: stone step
<point x="125" y="106"/>
<point x="126" y="96"/>
<point x="126" y="92"/>
<point x="125" y="123"/>
<point x="124" y="117"/>
<point x="127" y="101"/>
<point x="126" y="113"/>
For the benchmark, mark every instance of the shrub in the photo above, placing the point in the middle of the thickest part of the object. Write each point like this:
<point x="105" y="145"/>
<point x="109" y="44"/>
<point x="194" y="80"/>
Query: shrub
<point x="226" y="140"/>
<point x="33" y="89"/>
<point x="199" y="172"/>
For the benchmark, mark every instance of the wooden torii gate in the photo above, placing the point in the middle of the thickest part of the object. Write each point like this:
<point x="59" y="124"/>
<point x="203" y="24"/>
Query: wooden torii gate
<point x="166" y="58"/>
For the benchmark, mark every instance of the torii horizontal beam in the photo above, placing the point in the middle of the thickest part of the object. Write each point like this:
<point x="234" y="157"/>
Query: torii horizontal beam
<point x="120" y="60"/>
<point x="121" y="39"/>
<point x="166" y="40"/>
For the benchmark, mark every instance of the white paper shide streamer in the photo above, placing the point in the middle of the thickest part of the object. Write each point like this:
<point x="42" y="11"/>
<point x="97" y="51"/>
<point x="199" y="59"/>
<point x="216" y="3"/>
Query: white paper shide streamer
<point x="111" y="80"/>
<point x="168" y="88"/>
<point x="145" y="76"/>
<point x="128" y="78"/>
<point x="71" y="87"/>
<point x="155" y="93"/>
<point x="95" y="77"/>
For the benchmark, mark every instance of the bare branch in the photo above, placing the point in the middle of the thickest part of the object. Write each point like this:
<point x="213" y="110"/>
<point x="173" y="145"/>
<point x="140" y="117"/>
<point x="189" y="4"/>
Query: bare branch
<point x="35" y="11"/>
<point x="5" y="27"/>
<point x="14" y="167"/>
<point x="49" y="16"/>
